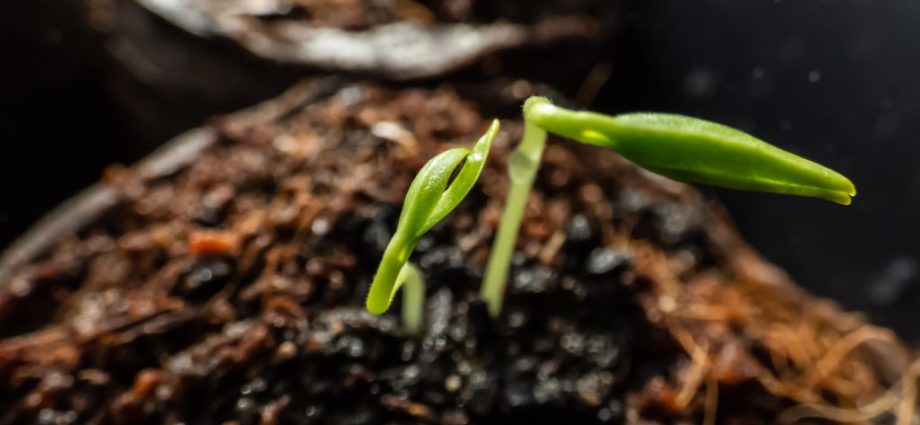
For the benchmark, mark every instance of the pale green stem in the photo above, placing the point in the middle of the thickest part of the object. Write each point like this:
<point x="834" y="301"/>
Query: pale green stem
<point x="413" y="298"/>
<point x="384" y="288"/>
<point x="522" y="168"/>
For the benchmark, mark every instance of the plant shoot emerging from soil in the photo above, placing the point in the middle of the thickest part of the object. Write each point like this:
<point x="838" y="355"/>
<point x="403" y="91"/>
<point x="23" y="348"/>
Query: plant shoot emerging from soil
<point x="680" y="147"/>
<point x="413" y="301"/>
<point x="431" y="196"/>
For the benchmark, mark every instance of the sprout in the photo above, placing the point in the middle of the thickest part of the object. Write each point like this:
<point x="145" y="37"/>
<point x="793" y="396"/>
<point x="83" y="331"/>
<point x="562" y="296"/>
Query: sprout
<point x="675" y="146"/>
<point x="522" y="168"/>
<point x="431" y="196"/>
<point x="413" y="302"/>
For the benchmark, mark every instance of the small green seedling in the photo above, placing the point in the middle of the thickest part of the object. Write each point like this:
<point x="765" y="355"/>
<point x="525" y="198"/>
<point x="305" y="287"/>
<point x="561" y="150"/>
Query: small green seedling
<point x="431" y="196"/>
<point x="675" y="146"/>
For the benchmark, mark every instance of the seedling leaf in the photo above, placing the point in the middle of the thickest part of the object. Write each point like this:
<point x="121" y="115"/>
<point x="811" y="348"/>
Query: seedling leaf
<point x="698" y="151"/>
<point x="464" y="180"/>
<point x="430" y="197"/>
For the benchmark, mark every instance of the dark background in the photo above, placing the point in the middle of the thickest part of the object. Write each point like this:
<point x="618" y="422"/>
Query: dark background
<point x="835" y="81"/>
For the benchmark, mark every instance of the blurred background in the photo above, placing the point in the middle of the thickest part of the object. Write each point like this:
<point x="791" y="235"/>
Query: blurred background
<point x="835" y="81"/>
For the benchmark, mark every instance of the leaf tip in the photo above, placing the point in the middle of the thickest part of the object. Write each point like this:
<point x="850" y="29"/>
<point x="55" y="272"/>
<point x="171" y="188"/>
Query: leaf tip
<point x="845" y="195"/>
<point x="847" y="198"/>
<point x="494" y="127"/>
<point x="841" y="197"/>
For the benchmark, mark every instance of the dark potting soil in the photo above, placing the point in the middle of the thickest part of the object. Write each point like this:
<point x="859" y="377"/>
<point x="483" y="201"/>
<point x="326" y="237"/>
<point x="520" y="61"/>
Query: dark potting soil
<point x="231" y="292"/>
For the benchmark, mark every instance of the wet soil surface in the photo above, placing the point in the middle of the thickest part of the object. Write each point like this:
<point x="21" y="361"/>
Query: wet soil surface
<point x="230" y="292"/>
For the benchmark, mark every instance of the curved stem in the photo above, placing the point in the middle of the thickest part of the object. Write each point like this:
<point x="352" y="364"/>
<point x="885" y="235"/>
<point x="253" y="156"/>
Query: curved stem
<point x="413" y="298"/>
<point x="522" y="168"/>
<point x="384" y="287"/>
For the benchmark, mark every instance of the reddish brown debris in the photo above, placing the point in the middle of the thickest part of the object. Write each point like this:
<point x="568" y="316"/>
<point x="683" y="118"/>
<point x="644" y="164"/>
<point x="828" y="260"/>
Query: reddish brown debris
<point x="212" y="243"/>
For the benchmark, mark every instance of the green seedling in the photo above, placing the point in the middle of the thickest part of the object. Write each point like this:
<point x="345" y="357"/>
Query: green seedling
<point x="436" y="190"/>
<point x="675" y="146"/>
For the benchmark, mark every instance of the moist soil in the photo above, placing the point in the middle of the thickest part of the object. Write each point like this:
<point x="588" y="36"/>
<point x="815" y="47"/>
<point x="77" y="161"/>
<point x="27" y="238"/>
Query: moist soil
<point x="230" y="291"/>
